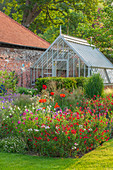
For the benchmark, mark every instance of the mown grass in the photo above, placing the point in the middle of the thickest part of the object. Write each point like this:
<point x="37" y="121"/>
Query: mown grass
<point x="100" y="158"/>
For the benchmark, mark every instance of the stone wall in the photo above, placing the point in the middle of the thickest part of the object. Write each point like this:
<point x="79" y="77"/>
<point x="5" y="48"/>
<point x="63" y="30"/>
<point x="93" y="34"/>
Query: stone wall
<point x="19" y="60"/>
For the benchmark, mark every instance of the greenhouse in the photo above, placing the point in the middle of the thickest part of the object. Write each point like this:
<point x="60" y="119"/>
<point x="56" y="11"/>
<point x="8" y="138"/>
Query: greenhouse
<point x="72" y="57"/>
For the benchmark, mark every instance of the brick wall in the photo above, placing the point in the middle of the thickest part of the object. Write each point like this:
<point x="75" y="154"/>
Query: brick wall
<point x="13" y="60"/>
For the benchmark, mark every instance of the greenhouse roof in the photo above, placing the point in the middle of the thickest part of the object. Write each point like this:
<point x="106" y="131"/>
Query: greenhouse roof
<point x="88" y="53"/>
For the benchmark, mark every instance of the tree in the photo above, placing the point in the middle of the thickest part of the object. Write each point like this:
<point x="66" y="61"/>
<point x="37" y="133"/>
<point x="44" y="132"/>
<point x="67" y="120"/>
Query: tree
<point x="100" y="29"/>
<point x="68" y="26"/>
<point x="38" y="14"/>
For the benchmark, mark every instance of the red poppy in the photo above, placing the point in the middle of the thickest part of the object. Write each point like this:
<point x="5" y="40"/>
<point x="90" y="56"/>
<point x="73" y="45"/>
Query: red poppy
<point x="42" y="100"/>
<point x="44" y="87"/>
<point x="52" y="93"/>
<point x="56" y="105"/>
<point x="62" y="95"/>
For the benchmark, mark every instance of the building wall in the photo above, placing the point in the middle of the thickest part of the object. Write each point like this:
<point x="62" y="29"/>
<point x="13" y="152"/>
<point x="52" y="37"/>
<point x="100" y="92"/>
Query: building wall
<point x="19" y="60"/>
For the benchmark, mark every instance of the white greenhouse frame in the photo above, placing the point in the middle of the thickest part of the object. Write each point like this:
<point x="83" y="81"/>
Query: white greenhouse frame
<point x="71" y="57"/>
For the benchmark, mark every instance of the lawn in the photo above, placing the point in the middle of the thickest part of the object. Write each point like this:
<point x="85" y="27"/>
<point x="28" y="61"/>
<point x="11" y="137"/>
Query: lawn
<point x="100" y="158"/>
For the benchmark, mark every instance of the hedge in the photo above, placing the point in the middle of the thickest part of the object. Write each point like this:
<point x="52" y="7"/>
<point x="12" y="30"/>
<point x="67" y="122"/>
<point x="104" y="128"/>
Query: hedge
<point x="61" y="82"/>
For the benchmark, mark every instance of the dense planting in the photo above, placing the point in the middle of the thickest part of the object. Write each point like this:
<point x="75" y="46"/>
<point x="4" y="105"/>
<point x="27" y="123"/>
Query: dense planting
<point x="50" y="125"/>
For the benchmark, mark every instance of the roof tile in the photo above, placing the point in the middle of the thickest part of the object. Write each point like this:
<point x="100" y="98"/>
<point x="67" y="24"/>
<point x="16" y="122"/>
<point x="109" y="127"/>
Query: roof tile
<point x="14" y="33"/>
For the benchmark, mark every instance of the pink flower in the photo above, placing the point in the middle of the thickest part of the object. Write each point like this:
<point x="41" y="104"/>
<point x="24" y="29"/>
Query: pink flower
<point x="31" y="113"/>
<point x="19" y="122"/>
<point x="24" y="114"/>
<point x="36" y="118"/>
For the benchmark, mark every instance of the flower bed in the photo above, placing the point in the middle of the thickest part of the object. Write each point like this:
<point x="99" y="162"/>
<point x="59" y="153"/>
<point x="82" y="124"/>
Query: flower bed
<point x="47" y="129"/>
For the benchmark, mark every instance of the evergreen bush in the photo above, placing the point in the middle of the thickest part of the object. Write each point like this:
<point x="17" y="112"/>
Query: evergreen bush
<point x="94" y="86"/>
<point x="80" y="81"/>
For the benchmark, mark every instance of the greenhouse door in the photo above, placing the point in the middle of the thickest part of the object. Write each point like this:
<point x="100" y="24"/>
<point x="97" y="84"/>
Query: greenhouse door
<point x="60" y="68"/>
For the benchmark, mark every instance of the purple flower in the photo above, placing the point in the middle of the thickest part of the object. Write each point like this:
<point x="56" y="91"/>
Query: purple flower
<point x="3" y="107"/>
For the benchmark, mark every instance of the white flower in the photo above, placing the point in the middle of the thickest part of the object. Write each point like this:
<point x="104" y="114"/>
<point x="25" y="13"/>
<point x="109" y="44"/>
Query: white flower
<point x="30" y="129"/>
<point x="18" y="108"/>
<point x="80" y="126"/>
<point x="42" y="126"/>
<point x="90" y="129"/>
<point x="47" y="127"/>
<point x="10" y="108"/>
<point x="36" y="130"/>
<point x="75" y="144"/>
<point x="74" y="147"/>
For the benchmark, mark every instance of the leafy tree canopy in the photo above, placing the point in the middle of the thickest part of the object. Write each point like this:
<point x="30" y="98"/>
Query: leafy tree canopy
<point x="100" y="29"/>
<point x="40" y="14"/>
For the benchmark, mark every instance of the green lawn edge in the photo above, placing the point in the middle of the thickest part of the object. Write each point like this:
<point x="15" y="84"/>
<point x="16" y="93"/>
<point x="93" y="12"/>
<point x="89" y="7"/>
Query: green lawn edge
<point x="100" y="158"/>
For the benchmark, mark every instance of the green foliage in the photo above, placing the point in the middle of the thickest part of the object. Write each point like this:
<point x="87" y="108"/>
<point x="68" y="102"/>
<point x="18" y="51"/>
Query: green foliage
<point x="80" y="81"/>
<point x="12" y="145"/>
<point x="71" y="100"/>
<point x="8" y="80"/>
<point x="61" y="82"/>
<point x="92" y="160"/>
<point x="40" y="15"/>
<point x="94" y="86"/>
<point x="100" y="29"/>
<point x="23" y="90"/>
<point x="23" y="100"/>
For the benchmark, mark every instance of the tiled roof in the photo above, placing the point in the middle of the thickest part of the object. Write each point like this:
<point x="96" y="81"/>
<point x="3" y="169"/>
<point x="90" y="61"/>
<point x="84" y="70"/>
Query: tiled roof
<point x="14" y="33"/>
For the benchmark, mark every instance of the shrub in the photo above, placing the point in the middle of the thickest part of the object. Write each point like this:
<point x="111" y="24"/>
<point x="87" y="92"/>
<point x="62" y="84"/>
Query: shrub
<point x="94" y="86"/>
<point x="61" y="82"/>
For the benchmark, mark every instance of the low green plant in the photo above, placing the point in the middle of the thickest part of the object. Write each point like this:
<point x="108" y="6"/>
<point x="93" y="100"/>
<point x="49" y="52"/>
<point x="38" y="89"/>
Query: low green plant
<point x="94" y="86"/>
<point x="23" y="90"/>
<point x="13" y="144"/>
<point x="23" y="100"/>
